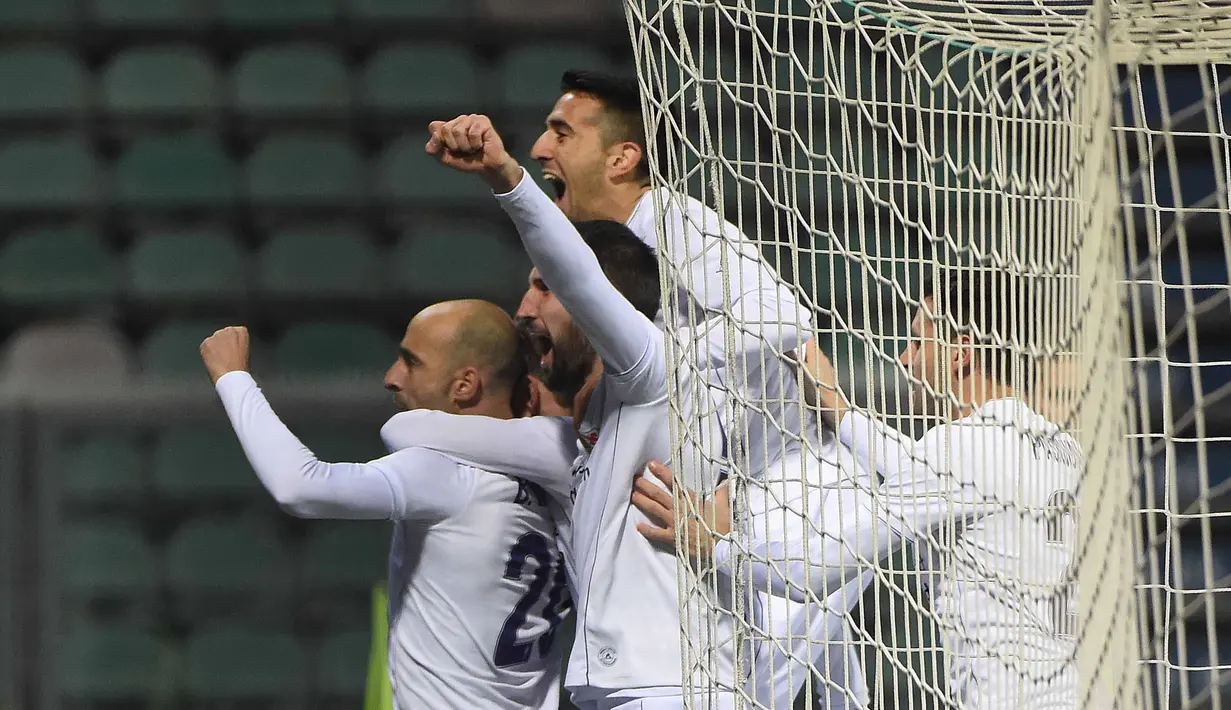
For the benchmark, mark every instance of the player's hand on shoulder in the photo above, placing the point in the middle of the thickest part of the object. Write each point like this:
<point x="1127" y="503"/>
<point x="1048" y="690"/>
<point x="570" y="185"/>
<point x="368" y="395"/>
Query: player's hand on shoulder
<point x="225" y="351"/>
<point x="702" y="522"/>
<point x="471" y="144"/>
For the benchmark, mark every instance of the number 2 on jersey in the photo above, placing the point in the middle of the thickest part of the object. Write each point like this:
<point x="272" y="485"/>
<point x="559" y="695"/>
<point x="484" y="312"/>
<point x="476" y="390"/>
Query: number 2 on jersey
<point x="532" y="546"/>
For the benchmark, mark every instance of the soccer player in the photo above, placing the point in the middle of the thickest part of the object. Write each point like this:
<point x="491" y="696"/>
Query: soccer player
<point x="593" y="156"/>
<point x="476" y="588"/>
<point x="987" y="498"/>
<point x="598" y="295"/>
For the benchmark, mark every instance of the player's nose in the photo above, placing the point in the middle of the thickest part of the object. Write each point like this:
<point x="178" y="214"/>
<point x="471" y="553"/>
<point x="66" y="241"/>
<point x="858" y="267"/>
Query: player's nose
<point x="541" y="150"/>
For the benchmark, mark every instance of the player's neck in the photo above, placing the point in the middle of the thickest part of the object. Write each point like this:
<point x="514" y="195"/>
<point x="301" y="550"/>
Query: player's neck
<point x="619" y="202"/>
<point x="978" y="391"/>
<point x="494" y="407"/>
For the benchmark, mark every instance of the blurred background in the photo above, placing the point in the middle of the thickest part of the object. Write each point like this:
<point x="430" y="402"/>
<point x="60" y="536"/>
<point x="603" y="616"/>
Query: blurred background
<point x="168" y="167"/>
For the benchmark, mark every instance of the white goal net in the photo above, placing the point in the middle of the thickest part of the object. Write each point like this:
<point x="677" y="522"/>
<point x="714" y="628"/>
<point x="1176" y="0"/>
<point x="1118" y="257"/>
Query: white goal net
<point x="872" y="153"/>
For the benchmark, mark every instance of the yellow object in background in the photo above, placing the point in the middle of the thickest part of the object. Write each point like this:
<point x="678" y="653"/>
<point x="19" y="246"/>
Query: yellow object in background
<point x="379" y="695"/>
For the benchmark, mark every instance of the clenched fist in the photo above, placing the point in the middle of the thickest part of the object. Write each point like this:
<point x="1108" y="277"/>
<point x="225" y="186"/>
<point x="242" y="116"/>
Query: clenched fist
<point x="225" y="351"/>
<point x="471" y="144"/>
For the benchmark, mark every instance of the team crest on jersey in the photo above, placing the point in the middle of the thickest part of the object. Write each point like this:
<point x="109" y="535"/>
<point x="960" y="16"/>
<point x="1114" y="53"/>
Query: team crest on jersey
<point x="589" y="438"/>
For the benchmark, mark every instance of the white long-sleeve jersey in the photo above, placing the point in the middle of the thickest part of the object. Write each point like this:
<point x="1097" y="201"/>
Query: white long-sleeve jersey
<point x="476" y="585"/>
<point x="723" y="282"/>
<point x="988" y="501"/>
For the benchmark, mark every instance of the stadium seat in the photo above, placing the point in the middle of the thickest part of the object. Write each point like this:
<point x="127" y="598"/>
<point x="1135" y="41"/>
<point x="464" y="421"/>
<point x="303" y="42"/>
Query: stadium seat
<point x="15" y="14"/>
<point x="140" y="13"/>
<point x="242" y="664"/>
<point x="530" y="76"/>
<point x="107" y="560"/>
<point x="427" y="264"/>
<point x="348" y="555"/>
<point x="341" y="664"/>
<point x="227" y="556"/>
<point x="202" y="463"/>
<point x="194" y="264"/>
<point x="320" y="262"/>
<point x="175" y="171"/>
<point x="164" y="79"/>
<point x="397" y="79"/>
<point x="44" y="173"/>
<point x="60" y="264"/>
<point x="380" y="12"/>
<point x="103" y="467"/>
<point x="40" y="81"/>
<point x="408" y="174"/>
<point x="304" y="169"/>
<point x="290" y="77"/>
<point x="98" y="663"/>
<point x="172" y="351"/>
<point x="278" y="13"/>
<point x="335" y="349"/>
<point x="336" y="441"/>
<point x="66" y="351"/>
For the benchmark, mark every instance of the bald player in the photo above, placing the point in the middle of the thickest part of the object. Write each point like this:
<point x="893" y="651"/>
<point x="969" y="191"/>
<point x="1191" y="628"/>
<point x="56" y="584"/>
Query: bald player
<point x="476" y="586"/>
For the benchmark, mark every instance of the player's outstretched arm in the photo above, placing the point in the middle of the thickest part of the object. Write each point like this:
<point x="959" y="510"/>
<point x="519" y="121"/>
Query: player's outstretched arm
<point x="628" y="343"/>
<point x="411" y="484"/>
<point x="537" y="449"/>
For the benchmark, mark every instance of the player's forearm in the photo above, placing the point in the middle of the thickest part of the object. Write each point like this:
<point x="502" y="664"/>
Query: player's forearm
<point x="537" y="449"/>
<point x="621" y="336"/>
<point x="302" y="484"/>
<point x="877" y="446"/>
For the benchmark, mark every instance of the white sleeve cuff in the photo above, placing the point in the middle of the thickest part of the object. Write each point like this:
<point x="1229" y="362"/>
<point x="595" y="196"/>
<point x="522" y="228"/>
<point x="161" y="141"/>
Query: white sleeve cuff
<point x="723" y="556"/>
<point x="519" y="188"/>
<point x="234" y="381"/>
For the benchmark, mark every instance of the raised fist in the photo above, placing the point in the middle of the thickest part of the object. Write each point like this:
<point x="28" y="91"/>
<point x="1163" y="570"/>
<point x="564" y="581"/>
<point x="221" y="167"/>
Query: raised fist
<point x="225" y="351"/>
<point x="471" y="144"/>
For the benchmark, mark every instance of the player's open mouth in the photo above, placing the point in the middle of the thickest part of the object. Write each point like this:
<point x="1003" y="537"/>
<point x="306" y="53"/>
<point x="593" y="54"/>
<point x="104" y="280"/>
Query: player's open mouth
<point x="556" y="184"/>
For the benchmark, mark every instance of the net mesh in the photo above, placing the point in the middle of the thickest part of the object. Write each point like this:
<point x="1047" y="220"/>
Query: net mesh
<point x="860" y="149"/>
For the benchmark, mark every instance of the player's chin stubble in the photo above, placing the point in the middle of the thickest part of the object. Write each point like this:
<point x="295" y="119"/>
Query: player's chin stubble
<point x="572" y="361"/>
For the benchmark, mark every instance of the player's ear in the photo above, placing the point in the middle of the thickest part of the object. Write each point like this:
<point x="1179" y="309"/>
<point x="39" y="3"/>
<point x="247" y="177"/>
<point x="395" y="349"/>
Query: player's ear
<point x="963" y="354"/>
<point x="467" y="385"/>
<point x="625" y="157"/>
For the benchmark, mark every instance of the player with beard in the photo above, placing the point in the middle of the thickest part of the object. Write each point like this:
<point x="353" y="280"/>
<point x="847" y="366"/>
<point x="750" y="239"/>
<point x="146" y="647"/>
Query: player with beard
<point x="593" y="155"/>
<point x="591" y="300"/>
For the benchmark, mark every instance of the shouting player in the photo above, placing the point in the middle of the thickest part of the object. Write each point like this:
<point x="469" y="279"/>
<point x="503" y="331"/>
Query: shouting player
<point x="987" y="498"/>
<point x="593" y="319"/>
<point x="476" y="588"/>
<point x="593" y="155"/>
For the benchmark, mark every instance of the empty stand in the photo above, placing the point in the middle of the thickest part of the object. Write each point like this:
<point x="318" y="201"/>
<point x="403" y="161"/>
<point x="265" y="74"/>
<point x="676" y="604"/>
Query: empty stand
<point x="320" y="262"/>
<point x="233" y="664"/>
<point x="188" y="170"/>
<point x="41" y="82"/>
<point x="177" y="80"/>
<point x="304" y="169"/>
<point x="408" y="175"/>
<point x="290" y="78"/>
<point x="467" y="260"/>
<point x="530" y="76"/>
<point x="48" y="172"/>
<point x="67" y="264"/>
<point x="332" y="348"/>
<point x="423" y="77"/>
<point x="101" y="663"/>
<point x="103" y="467"/>
<point x="196" y="264"/>
<point x="199" y="464"/>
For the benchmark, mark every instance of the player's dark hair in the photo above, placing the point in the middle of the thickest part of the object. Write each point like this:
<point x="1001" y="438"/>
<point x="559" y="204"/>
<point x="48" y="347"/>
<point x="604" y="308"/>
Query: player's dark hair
<point x="621" y="100"/>
<point x="628" y="263"/>
<point x="986" y="305"/>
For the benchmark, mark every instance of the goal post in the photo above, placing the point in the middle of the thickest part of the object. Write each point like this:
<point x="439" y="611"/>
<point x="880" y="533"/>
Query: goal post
<point x="862" y="148"/>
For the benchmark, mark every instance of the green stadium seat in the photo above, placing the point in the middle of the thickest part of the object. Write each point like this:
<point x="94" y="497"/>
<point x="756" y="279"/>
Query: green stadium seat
<point x="290" y="77"/>
<point x="380" y="12"/>
<point x="320" y="262"/>
<point x="110" y="664"/>
<point x="227" y="556"/>
<point x="408" y="174"/>
<point x="107" y="560"/>
<point x="304" y="169"/>
<point x="334" y="441"/>
<point x="242" y="664"/>
<point x="102" y="468"/>
<point x="426" y="265"/>
<point x="58" y="264"/>
<point x="36" y="13"/>
<point x="278" y="13"/>
<point x="202" y="463"/>
<point x="139" y="13"/>
<point x="530" y="76"/>
<point x="350" y="555"/>
<point x="335" y="349"/>
<point x="195" y="264"/>
<point x="173" y="350"/>
<point x="422" y="77"/>
<point x="165" y="79"/>
<point x="342" y="664"/>
<point x="41" y="81"/>
<point x="175" y="171"/>
<point x="45" y="173"/>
